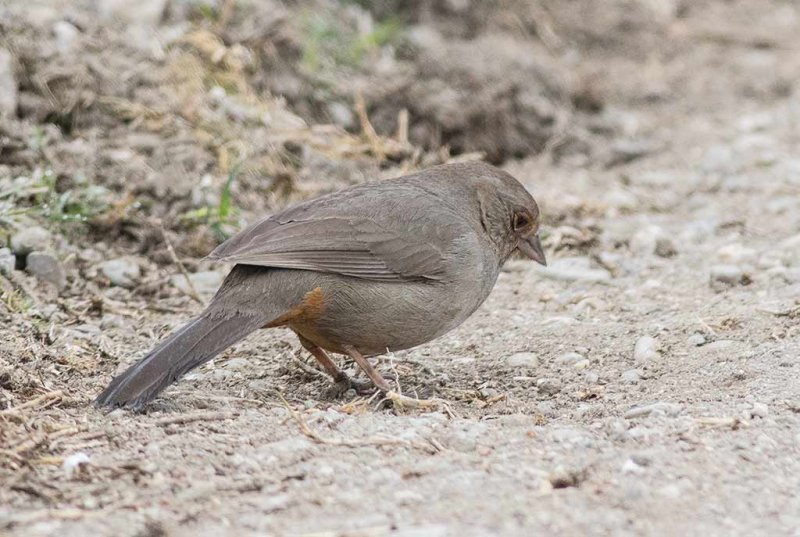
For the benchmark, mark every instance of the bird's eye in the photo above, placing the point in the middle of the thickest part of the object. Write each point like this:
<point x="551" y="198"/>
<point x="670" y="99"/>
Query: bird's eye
<point x="521" y="221"/>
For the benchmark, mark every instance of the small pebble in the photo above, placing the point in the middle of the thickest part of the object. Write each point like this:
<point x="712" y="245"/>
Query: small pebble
<point x="631" y="376"/>
<point x="546" y="409"/>
<point x="122" y="272"/>
<point x="645" y="240"/>
<point x="31" y="239"/>
<point x="631" y="467"/>
<point x="645" y="350"/>
<point x="665" y="247"/>
<point x="759" y="410"/>
<point x="9" y="95"/>
<point x="548" y="386"/>
<point x="696" y="340"/>
<point x="206" y="282"/>
<point x="725" y="276"/>
<point x="75" y="463"/>
<point x="736" y="253"/>
<point x="523" y="359"/>
<point x="65" y="34"/>
<point x="570" y="358"/>
<point x="655" y="409"/>
<point x="7" y="261"/>
<point x="46" y="268"/>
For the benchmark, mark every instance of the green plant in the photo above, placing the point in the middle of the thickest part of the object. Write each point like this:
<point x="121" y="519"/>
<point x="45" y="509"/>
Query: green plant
<point x="222" y="218"/>
<point x="330" y="43"/>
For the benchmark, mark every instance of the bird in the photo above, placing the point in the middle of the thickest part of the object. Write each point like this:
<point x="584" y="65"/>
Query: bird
<point x="377" y="267"/>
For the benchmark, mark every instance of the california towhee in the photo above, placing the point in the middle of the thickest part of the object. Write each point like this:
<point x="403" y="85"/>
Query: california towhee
<point x="373" y="268"/>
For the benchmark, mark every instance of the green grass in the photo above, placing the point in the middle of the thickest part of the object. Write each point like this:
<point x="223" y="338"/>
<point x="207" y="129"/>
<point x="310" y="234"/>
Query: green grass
<point x="222" y="218"/>
<point x="328" y="43"/>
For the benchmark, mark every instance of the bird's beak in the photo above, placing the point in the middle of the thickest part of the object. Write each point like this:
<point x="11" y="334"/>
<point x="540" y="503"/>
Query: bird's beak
<point x="532" y="249"/>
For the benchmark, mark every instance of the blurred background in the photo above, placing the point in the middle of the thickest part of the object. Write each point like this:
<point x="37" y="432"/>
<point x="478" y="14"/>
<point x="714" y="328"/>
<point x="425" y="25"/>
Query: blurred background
<point x="660" y="137"/>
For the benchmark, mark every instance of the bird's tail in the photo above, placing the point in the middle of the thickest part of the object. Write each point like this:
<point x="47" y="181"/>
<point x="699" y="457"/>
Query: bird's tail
<point x="186" y="348"/>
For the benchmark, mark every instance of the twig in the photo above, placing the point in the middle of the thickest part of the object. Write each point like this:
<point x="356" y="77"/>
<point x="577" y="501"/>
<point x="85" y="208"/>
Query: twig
<point x="192" y="291"/>
<point x="44" y="399"/>
<point x="368" y="129"/>
<point x="710" y="421"/>
<point x="199" y="416"/>
<point x="362" y="442"/>
<point x="402" y="126"/>
<point x="307" y="368"/>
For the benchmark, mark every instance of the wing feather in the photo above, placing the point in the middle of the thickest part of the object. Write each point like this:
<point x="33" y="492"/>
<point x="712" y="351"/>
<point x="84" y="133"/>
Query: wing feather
<point x="351" y="246"/>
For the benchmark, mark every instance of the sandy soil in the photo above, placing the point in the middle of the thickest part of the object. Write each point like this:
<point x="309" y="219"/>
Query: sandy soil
<point x="645" y="383"/>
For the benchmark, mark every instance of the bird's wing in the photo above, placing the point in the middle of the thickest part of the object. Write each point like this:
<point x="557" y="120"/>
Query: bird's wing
<point x="356" y="246"/>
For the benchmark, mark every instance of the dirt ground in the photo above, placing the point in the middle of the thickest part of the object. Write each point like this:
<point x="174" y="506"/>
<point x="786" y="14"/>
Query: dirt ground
<point x="645" y="383"/>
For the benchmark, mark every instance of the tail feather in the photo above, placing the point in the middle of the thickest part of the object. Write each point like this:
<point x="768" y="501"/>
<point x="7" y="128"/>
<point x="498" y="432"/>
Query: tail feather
<point x="190" y="346"/>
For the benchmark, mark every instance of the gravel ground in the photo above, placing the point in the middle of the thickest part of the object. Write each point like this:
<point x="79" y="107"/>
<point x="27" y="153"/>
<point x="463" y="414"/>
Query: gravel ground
<point x="645" y="383"/>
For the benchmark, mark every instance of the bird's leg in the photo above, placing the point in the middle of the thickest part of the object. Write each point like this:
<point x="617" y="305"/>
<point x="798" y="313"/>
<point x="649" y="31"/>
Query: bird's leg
<point x="373" y="375"/>
<point x="341" y="380"/>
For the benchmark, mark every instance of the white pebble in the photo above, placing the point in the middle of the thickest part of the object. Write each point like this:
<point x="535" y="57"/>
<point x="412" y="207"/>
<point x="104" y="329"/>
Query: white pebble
<point x="630" y="467"/>
<point x="759" y="410"/>
<point x="645" y="350"/>
<point x="655" y="409"/>
<point x="631" y="376"/>
<point x="696" y="340"/>
<point x="74" y="463"/>
<point x="523" y="359"/>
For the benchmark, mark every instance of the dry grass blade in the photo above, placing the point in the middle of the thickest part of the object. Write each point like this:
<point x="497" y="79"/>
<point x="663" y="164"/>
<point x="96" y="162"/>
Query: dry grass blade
<point x="41" y="401"/>
<point x="199" y="416"/>
<point x="193" y="294"/>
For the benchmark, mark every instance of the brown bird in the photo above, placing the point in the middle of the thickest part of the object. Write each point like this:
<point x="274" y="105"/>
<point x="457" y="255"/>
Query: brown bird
<point x="373" y="268"/>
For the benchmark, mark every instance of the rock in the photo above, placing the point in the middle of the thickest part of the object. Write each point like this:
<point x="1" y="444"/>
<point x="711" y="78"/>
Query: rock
<point x="631" y="376"/>
<point x="736" y="254"/>
<point x="66" y="34"/>
<point x="655" y="409"/>
<point x="725" y="276"/>
<point x="645" y="350"/>
<point x="759" y="410"/>
<point x="46" y="268"/>
<point x="574" y="269"/>
<point x="523" y="359"/>
<point x="75" y="463"/>
<point x="341" y="114"/>
<point x="548" y="386"/>
<point x="570" y="358"/>
<point x="123" y="272"/>
<point x="30" y="239"/>
<point x="696" y="340"/>
<point x="665" y="247"/>
<point x="8" y="85"/>
<point x="7" y="261"/>
<point x="562" y="478"/>
<point x="630" y="466"/>
<point x="143" y="12"/>
<point x="546" y="409"/>
<point x="644" y="241"/>
<point x="206" y="282"/>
